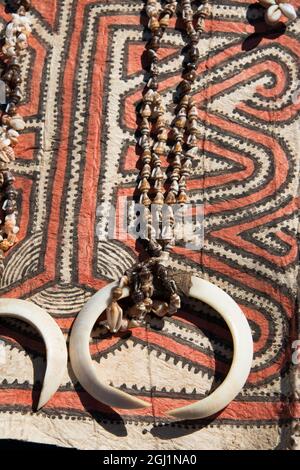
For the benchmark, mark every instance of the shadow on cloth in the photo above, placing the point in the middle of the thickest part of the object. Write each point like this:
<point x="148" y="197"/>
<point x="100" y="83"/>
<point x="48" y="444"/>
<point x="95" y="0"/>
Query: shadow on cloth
<point x="180" y="428"/>
<point x="255" y="17"/>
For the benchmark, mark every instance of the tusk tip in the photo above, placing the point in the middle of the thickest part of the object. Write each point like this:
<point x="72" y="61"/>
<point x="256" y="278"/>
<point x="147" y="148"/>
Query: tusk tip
<point x="171" y="414"/>
<point x="180" y="414"/>
<point x="147" y="405"/>
<point x="43" y="400"/>
<point x="41" y="403"/>
<point x="39" y="406"/>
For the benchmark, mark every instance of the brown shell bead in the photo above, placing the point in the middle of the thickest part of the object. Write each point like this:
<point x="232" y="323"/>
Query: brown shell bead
<point x="146" y="111"/>
<point x="194" y="53"/>
<point x="171" y="198"/>
<point x="190" y="75"/>
<point x="158" y="185"/>
<point x="145" y="126"/>
<point x="164" y="21"/>
<point x="145" y="200"/>
<point x="163" y="135"/>
<point x="184" y="102"/>
<point x="193" y="112"/>
<point x="146" y="171"/>
<point x="160" y="148"/>
<point x="144" y="185"/>
<point x="176" y="161"/>
<point x="26" y="4"/>
<point x="190" y="28"/>
<point x="180" y="122"/>
<point x="185" y="87"/>
<point x="177" y="148"/>
<point x="159" y="199"/>
<point x="117" y="293"/>
<point x="205" y="11"/>
<point x="182" y="198"/>
<point x="160" y="124"/>
<point x="155" y="160"/>
<point x="146" y="157"/>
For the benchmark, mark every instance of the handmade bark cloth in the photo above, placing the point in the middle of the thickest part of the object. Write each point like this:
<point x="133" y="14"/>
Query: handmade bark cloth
<point x="83" y="77"/>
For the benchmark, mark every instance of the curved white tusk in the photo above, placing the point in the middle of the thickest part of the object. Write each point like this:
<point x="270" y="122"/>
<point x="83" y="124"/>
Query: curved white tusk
<point x="242" y="352"/>
<point x="288" y="10"/>
<point x="202" y="290"/>
<point x="81" y="360"/>
<point x="57" y="355"/>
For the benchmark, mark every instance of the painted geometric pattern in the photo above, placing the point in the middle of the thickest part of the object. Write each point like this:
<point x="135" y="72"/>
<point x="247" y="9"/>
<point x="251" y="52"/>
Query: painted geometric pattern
<point x="83" y="77"/>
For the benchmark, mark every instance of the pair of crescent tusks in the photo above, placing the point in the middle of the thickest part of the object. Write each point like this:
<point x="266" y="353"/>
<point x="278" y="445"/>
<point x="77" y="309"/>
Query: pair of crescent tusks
<point x="82" y="363"/>
<point x="202" y="290"/>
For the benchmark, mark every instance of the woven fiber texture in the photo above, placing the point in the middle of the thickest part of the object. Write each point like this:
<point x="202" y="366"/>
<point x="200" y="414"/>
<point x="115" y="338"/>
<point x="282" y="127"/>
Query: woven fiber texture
<point x="83" y="77"/>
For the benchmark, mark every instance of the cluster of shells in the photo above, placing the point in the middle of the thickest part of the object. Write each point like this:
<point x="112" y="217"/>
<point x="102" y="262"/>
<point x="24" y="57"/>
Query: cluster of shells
<point x="276" y="9"/>
<point x="16" y="35"/>
<point x="144" y="281"/>
<point x="16" y="40"/>
<point x="9" y="134"/>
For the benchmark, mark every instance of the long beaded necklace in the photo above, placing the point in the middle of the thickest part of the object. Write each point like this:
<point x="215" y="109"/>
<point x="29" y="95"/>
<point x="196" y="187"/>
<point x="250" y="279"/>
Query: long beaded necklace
<point x="154" y="137"/>
<point x="13" y="45"/>
<point x="15" y="42"/>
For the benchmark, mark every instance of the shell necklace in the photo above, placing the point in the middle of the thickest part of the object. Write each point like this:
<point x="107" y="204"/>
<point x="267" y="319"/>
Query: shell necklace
<point x="151" y="285"/>
<point x="14" y="44"/>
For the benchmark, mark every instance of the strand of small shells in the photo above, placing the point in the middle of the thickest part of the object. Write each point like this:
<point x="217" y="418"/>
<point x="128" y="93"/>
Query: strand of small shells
<point x="154" y="134"/>
<point x="185" y="126"/>
<point x="152" y="289"/>
<point x="15" y="42"/>
<point x="276" y="9"/>
<point x="185" y="129"/>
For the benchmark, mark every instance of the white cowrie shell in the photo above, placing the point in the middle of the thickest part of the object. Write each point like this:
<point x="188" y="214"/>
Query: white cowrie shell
<point x="114" y="315"/>
<point x="288" y="10"/>
<point x="272" y="14"/>
<point x="17" y="123"/>
<point x="10" y="29"/>
<point x="13" y="133"/>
